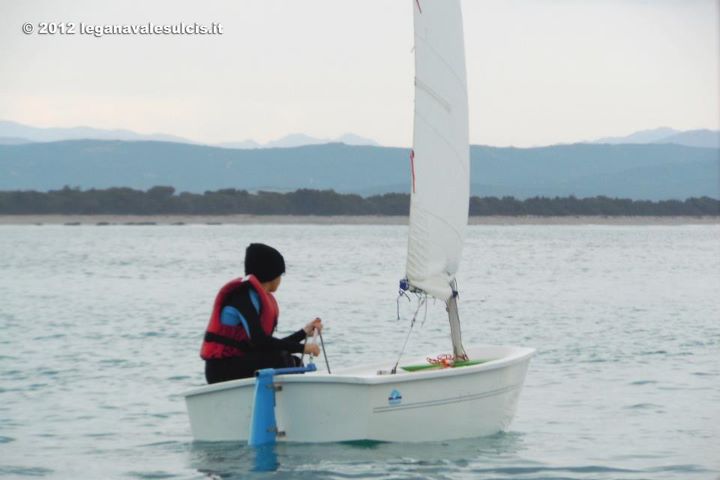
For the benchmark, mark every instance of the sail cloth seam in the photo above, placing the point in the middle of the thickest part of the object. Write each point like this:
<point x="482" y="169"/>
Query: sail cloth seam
<point x="463" y="83"/>
<point x="435" y="96"/>
<point x="460" y="156"/>
<point x="452" y="228"/>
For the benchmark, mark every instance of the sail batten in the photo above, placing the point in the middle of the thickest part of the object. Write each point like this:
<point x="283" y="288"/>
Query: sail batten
<point x="459" y="156"/>
<point x="460" y="79"/>
<point x="440" y="159"/>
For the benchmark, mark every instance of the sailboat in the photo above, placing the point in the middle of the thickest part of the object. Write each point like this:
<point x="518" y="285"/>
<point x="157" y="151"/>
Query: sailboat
<point x="476" y="394"/>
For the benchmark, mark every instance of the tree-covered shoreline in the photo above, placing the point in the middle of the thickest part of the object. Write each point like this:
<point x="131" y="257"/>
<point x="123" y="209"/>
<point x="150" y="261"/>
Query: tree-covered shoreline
<point x="162" y="200"/>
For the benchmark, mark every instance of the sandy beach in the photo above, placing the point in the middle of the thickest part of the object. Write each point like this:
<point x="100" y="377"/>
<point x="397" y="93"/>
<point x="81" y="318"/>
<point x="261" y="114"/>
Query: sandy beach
<point x="102" y="220"/>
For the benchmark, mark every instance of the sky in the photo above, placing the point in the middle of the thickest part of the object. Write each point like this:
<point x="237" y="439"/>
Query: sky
<point x="540" y="72"/>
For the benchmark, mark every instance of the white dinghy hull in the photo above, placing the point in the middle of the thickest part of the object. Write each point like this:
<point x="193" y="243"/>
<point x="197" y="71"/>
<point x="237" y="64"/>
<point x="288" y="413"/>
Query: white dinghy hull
<point x="359" y="404"/>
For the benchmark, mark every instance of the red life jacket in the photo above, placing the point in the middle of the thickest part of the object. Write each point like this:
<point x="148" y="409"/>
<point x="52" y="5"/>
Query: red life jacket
<point x="223" y="341"/>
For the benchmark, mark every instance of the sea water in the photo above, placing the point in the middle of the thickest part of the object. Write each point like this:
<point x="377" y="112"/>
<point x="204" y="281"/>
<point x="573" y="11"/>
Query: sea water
<point x="101" y="326"/>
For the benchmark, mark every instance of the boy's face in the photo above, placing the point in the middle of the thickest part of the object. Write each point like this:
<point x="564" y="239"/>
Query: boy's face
<point x="275" y="284"/>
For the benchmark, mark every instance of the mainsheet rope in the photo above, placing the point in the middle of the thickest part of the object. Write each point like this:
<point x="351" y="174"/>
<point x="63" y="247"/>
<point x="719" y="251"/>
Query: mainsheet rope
<point x="442" y="360"/>
<point x="423" y="301"/>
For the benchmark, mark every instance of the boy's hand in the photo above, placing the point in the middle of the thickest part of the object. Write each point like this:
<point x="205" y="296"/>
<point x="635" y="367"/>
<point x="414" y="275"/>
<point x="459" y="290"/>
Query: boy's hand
<point x="312" y="349"/>
<point x="310" y="328"/>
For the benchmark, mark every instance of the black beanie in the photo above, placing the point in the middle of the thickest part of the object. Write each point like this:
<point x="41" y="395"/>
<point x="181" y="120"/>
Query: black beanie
<point x="264" y="262"/>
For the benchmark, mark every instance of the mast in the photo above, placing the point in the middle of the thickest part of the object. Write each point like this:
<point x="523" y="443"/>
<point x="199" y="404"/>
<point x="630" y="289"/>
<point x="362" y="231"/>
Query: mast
<point x="440" y="158"/>
<point x="455" y="333"/>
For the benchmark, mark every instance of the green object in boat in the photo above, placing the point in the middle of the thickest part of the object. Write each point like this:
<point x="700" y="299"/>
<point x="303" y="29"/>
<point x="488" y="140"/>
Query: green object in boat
<point x="435" y="366"/>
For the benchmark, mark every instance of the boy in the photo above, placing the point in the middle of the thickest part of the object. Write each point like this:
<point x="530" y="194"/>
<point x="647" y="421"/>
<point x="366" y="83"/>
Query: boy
<point x="239" y="340"/>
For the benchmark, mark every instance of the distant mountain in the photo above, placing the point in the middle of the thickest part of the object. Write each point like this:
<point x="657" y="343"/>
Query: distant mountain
<point x="295" y="140"/>
<point x="13" y="141"/>
<point x="300" y="140"/>
<point x="651" y="172"/>
<point x="694" y="138"/>
<point x="37" y="134"/>
<point x="690" y="138"/>
<point x="643" y="136"/>
<point x="241" y="145"/>
<point x="352" y="139"/>
<point x="13" y="133"/>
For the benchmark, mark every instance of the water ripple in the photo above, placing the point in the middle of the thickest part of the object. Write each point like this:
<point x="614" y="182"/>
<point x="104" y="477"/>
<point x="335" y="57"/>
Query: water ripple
<point x="24" y="471"/>
<point x="624" y="320"/>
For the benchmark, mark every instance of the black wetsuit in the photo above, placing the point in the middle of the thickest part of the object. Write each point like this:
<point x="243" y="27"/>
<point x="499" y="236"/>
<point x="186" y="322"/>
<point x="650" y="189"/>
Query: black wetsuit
<point x="263" y="351"/>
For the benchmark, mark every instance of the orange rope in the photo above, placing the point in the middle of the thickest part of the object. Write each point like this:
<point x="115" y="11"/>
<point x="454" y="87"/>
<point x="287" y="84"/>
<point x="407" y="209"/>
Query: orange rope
<point x="444" y="360"/>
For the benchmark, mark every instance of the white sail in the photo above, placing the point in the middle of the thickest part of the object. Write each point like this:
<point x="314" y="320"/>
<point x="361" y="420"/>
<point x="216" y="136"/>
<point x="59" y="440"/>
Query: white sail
<point x="440" y="158"/>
